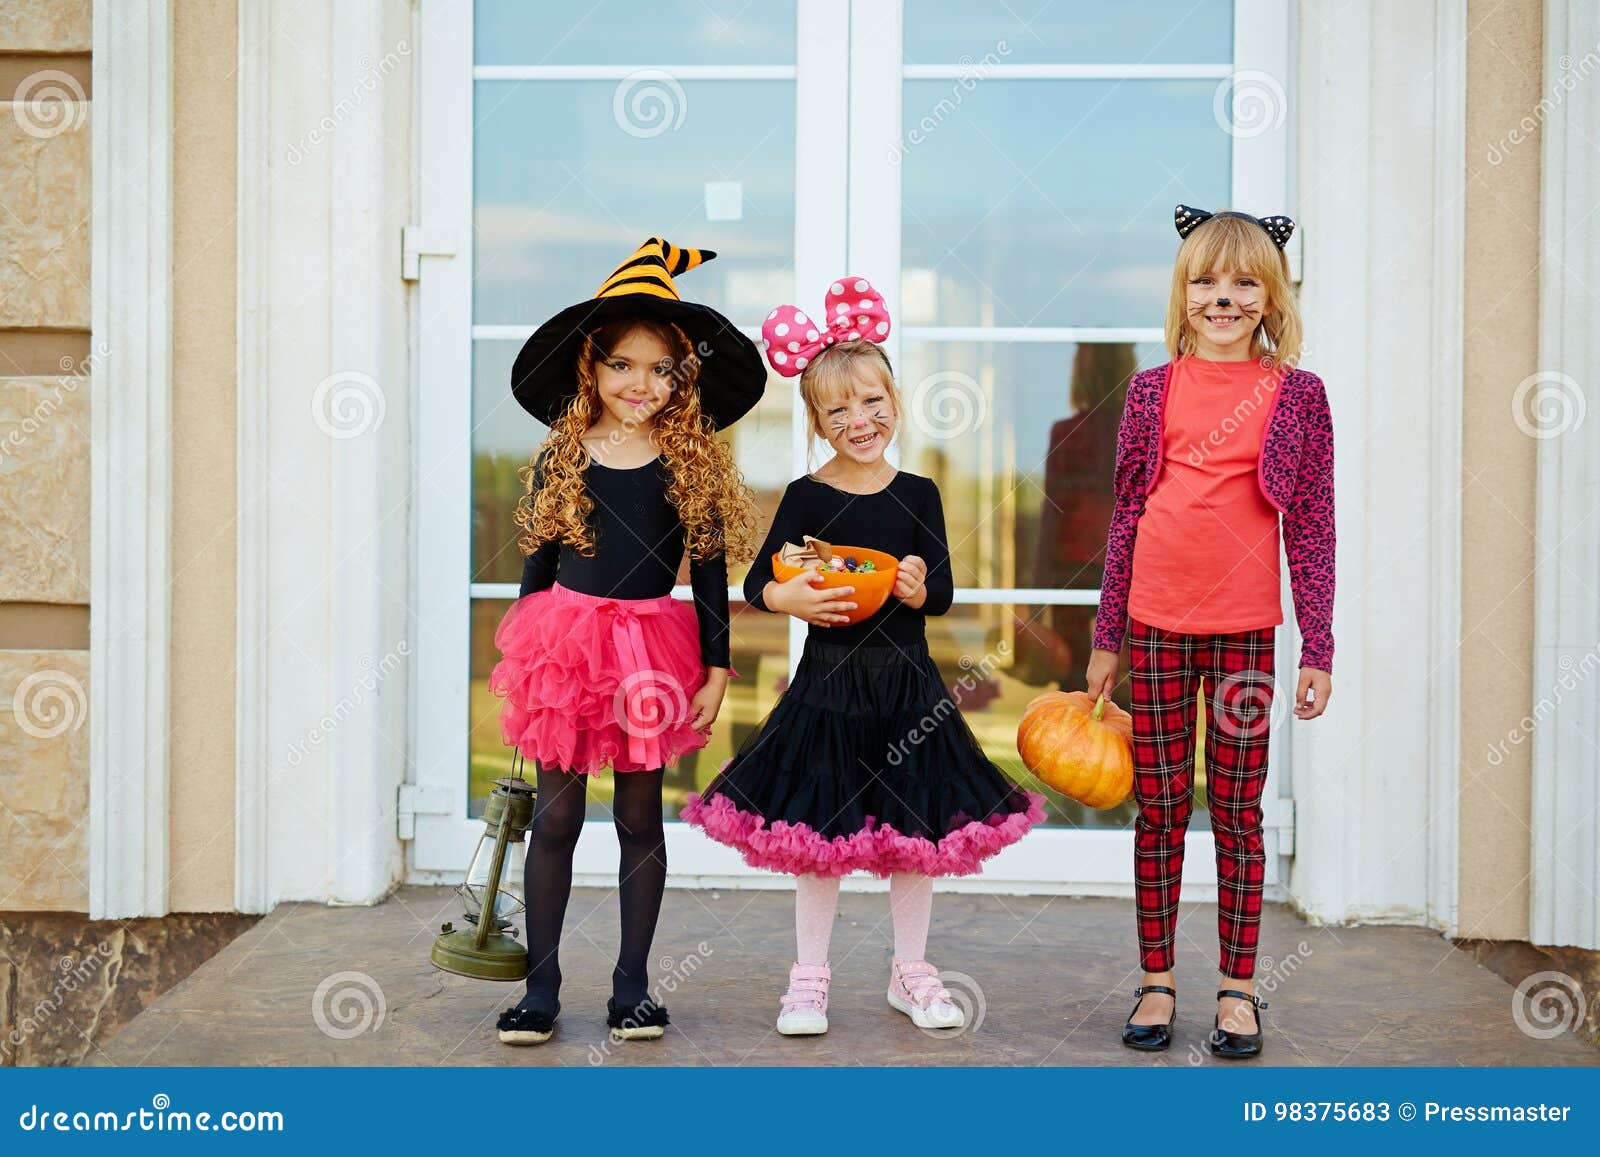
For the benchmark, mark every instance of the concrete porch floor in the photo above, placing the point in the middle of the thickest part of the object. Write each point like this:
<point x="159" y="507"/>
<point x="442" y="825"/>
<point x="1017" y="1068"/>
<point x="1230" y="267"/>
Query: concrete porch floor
<point x="1047" y="981"/>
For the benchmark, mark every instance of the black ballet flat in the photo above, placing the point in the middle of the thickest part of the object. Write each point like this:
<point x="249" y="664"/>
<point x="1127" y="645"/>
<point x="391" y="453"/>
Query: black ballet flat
<point x="646" y="1020"/>
<point x="1150" y="1038"/>
<point x="1237" y="1046"/>
<point x="526" y="1026"/>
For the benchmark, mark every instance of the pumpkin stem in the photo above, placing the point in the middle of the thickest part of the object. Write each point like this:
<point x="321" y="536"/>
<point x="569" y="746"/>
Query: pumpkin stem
<point x="1099" y="706"/>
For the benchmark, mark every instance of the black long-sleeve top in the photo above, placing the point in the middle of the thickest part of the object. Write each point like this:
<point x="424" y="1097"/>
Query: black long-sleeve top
<point x="905" y="517"/>
<point x="639" y="544"/>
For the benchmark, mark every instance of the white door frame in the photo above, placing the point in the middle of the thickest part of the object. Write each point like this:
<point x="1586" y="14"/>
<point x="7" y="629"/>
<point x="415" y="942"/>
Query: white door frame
<point x="854" y="229"/>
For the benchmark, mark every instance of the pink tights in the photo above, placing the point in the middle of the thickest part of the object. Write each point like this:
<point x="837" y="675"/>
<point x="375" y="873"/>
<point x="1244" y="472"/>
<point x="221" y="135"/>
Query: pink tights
<point x="817" y="899"/>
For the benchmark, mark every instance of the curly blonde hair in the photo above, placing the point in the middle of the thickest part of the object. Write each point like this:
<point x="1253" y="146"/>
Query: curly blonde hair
<point x="717" y="508"/>
<point x="1232" y="243"/>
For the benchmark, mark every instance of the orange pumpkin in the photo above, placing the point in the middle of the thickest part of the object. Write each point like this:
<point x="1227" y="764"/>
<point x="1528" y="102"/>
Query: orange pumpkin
<point x="1080" y="746"/>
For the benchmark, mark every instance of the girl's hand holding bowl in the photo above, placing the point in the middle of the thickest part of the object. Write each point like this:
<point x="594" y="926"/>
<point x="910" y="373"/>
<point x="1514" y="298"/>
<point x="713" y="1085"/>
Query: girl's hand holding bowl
<point x="829" y="597"/>
<point x="804" y="597"/>
<point x="909" y="581"/>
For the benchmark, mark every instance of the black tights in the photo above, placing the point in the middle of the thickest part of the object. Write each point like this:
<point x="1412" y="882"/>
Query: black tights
<point x="642" y="877"/>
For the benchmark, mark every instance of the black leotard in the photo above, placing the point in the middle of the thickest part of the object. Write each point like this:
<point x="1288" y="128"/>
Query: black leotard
<point x="639" y="543"/>
<point x="905" y="517"/>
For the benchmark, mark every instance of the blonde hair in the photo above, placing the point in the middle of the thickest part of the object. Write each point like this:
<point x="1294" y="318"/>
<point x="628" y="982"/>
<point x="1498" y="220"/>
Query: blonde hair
<point x="1235" y="244"/>
<point x="834" y="373"/>
<point x="717" y="508"/>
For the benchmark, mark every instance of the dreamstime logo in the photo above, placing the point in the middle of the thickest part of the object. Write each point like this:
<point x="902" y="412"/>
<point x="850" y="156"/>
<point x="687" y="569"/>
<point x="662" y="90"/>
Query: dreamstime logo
<point x="678" y="972"/>
<point x="648" y="103"/>
<point x="948" y="405"/>
<point x="1570" y="675"/>
<point x="1568" y="78"/>
<point x="1247" y="704"/>
<point x="365" y="84"/>
<point x="49" y="703"/>
<point x="967" y="995"/>
<point x="1271" y="974"/>
<point x="348" y="1004"/>
<point x="49" y="103"/>
<point x="1548" y="404"/>
<point x="1249" y="103"/>
<point x="971" y="72"/>
<point x="74" y="973"/>
<point x="975" y="674"/>
<point x="1547" y="1004"/>
<point x="44" y="410"/>
<point x="647" y="703"/>
<point x="365" y="687"/>
<point x="348" y="404"/>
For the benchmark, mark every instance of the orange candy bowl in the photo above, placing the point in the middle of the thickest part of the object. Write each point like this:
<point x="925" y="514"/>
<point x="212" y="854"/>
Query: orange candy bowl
<point x="872" y="588"/>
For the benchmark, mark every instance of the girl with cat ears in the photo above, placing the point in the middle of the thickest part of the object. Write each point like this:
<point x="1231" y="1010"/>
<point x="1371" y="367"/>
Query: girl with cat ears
<point x="1192" y="582"/>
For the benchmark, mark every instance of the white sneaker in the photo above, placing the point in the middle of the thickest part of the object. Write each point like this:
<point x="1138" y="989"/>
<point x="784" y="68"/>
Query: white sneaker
<point x="805" y="1005"/>
<point x="915" y="990"/>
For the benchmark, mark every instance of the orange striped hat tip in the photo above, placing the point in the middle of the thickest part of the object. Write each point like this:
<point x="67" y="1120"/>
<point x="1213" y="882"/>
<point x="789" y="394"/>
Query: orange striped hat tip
<point x="651" y="269"/>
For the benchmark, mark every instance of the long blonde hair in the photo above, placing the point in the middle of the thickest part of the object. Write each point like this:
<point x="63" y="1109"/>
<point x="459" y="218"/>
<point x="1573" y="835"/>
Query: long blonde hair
<point x="834" y="373"/>
<point x="1233" y="243"/>
<point x="717" y="509"/>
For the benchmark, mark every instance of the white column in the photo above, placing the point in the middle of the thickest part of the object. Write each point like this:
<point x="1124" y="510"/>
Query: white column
<point x="324" y="458"/>
<point x="130" y="524"/>
<point x="1380" y="185"/>
<point x="1561" y="403"/>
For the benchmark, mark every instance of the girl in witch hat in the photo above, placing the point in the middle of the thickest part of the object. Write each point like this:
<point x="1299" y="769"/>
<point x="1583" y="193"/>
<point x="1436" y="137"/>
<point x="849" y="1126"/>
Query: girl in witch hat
<point x="600" y="666"/>
<point x="1220" y="451"/>
<point x="865" y="763"/>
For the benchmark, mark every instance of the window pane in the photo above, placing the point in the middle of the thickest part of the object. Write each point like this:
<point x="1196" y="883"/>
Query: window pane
<point x="505" y="438"/>
<point x="1021" y="438"/>
<point x="1008" y="224"/>
<point x="566" y="186"/>
<point x="759" y="655"/>
<point x="661" y="32"/>
<point x="996" y="659"/>
<point x="1034" y="32"/>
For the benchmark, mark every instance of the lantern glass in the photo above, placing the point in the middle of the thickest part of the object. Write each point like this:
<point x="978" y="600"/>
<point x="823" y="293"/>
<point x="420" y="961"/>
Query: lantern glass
<point x="509" y="896"/>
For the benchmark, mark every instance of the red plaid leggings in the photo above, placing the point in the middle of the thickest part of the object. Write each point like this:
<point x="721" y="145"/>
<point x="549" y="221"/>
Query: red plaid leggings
<point x="1166" y="668"/>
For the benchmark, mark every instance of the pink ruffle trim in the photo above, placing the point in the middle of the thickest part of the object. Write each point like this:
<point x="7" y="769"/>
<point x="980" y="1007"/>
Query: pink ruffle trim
<point x="799" y="849"/>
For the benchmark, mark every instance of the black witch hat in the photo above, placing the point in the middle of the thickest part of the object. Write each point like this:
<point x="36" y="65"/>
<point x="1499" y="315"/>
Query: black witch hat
<point x="731" y="379"/>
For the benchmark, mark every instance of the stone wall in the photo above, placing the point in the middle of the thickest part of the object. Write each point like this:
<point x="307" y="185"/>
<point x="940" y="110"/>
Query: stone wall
<point x="67" y="984"/>
<point x="45" y="203"/>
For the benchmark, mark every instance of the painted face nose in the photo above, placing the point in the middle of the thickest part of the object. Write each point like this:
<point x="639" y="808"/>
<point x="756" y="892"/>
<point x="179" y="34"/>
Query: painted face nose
<point x="1224" y="301"/>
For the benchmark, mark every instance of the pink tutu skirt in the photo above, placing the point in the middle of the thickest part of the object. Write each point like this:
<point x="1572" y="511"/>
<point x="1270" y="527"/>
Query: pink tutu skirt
<point x="591" y="682"/>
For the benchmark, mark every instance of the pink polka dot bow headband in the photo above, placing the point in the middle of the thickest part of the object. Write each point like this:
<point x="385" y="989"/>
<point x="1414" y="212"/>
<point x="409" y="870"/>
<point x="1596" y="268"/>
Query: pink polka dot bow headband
<point x="854" y="311"/>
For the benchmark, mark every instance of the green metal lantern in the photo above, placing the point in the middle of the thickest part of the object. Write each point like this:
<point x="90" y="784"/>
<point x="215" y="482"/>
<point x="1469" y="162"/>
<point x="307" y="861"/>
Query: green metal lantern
<point x="493" y="890"/>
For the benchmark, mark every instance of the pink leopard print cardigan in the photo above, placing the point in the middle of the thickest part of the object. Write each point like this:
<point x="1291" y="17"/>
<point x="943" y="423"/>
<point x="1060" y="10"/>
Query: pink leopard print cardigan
<point x="1296" y="475"/>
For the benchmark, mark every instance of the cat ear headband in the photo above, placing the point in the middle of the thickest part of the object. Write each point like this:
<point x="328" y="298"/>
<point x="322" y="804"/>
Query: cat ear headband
<point x="853" y="311"/>
<point x="1188" y="219"/>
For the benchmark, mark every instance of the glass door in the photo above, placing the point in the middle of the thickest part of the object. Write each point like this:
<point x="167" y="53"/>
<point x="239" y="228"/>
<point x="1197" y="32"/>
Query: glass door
<point x="1007" y="182"/>
<point x="1015" y="175"/>
<point x="555" y="140"/>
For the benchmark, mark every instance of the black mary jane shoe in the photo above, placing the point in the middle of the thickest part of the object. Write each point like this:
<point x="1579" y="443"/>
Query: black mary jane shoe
<point x="526" y="1026"/>
<point x="1237" y="1046"/>
<point x="1149" y="1038"/>
<point x="646" y="1020"/>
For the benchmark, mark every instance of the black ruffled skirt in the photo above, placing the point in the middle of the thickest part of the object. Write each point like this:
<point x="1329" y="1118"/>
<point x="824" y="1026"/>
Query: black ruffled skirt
<point x="864" y="763"/>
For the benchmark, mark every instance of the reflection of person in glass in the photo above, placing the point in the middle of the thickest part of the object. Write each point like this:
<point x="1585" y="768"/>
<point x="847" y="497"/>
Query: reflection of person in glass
<point x="1076" y="508"/>
<point x="600" y="666"/>
<point x="1218" y="451"/>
